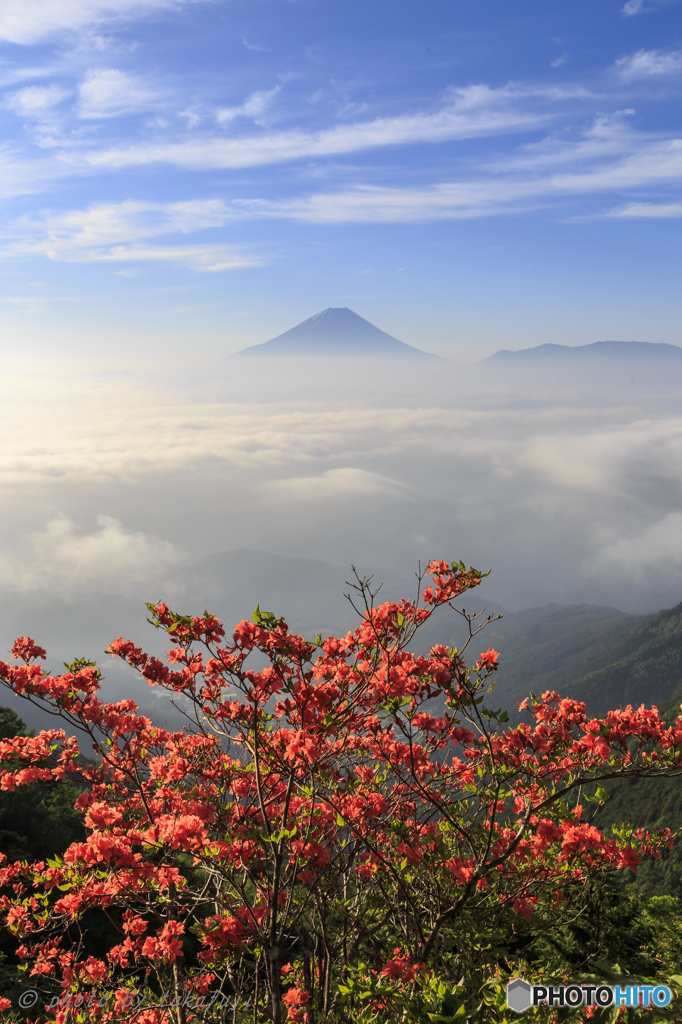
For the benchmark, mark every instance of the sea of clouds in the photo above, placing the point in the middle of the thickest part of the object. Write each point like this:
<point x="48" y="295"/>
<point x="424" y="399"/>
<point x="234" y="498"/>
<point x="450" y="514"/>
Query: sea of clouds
<point x="116" y="491"/>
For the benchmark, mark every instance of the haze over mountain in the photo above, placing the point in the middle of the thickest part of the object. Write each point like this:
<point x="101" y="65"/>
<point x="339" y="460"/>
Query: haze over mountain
<point x="598" y="350"/>
<point x="339" y="358"/>
<point x="589" y="652"/>
<point x="559" y="471"/>
<point x="337" y="331"/>
<point x="614" y="373"/>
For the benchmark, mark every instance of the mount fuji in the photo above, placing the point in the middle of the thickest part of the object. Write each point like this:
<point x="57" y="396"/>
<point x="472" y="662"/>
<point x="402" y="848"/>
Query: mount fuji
<point x="337" y="332"/>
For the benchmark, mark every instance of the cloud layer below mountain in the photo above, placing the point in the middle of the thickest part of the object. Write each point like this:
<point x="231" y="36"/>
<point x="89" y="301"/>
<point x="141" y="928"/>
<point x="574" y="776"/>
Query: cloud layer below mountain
<point x="117" y="486"/>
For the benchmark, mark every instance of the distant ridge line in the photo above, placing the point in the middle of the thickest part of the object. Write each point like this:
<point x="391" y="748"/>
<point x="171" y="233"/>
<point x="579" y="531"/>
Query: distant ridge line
<point x="596" y="349"/>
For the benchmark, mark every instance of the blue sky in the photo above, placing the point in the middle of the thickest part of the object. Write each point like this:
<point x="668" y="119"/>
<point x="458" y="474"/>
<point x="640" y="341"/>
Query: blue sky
<point x="467" y="174"/>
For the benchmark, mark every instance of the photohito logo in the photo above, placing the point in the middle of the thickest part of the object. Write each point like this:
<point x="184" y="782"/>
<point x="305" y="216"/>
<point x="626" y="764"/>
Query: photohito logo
<point x="521" y="995"/>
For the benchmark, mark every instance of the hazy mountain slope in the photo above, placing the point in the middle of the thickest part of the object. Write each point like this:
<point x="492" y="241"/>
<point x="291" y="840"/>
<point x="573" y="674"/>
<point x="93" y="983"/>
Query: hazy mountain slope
<point x="645" y="666"/>
<point x="308" y="593"/>
<point x="603" y="373"/>
<point x="336" y="331"/>
<point x="548" y="648"/>
<point x="599" y="655"/>
<point x="598" y="350"/>
<point x="337" y="357"/>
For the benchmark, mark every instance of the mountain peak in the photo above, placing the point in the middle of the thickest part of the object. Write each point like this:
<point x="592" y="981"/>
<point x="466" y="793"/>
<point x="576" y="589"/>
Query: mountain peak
<point x="336" y="331"/>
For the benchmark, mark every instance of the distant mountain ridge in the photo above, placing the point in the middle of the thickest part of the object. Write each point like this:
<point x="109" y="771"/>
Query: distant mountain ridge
<point x="337" y="331"/>
<point x="596" y="350"/>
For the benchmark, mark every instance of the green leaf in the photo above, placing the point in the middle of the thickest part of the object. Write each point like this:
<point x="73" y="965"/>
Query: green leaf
<point x="599" y="796"/>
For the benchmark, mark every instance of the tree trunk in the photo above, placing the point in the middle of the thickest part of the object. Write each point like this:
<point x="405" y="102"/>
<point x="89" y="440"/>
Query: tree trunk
<point x="274" y="973"/>
<point x="179" y="989"/>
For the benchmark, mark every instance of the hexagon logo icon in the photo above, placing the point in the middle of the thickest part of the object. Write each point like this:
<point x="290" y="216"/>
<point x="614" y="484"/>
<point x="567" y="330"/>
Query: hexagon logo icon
<point x="519" y="995"/>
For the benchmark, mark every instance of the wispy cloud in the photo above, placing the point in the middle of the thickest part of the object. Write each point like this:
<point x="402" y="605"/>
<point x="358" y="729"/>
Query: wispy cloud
<point x="610" y="157"/>
<point x="654" y="163"/>
<point x="120" y="232"/>
<point x="471" y="112"/>
<point x="608" y="163"/>
<point x="30" y="22"/>
<point x="647" y="210"/>
<point x="36" y="100"/>
<point x="648" y="63"/>
<point x="36" y="303"/>
<point x="609" y="136"/>
<point x="372" y="204"/>
<point x="103" y="94"/>
<point x="211" y="258"/>
<point x="255" y="46"/>
<point x="108" y="92"/>
<point x="254" y="107"/>
<point x="634" y="7"/>
<point x="106" y="223"/>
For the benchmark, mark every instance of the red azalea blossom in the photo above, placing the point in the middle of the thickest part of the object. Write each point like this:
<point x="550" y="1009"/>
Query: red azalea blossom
<point x="342" y="780"/>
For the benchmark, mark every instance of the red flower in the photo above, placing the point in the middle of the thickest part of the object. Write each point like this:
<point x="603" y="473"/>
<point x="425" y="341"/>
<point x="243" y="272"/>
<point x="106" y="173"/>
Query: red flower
<point x="296" y="997"/>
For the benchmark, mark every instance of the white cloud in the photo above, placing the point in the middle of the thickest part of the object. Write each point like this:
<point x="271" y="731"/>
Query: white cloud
<point x="255" y="46"/>
<point x="609" y="157"/>
<point x="30" y="21"/>
<point x="108" y="92"/>
<point x="66" y="557"/>
<point x="633" y="7"/>
<point x="36" y="100"/>
<point x="16" y="75"/>
<point x="254" y="107"/>
<point x="655" y="162"/>
<point x="657" y="210"/>
<point x="658" y="546"/>
<point x="608" y="137"/>
<point x="113" y="233"/>
<point x="212" y="258"/>
<point x="370" y="204"/>
<point x="535" y="492"/>
<point x="646" y="63"/>
<point x="106" y="223"/>
<point x="501" y="189"/>
<point x="36" y="303"/>
<point x="471" y="112"/>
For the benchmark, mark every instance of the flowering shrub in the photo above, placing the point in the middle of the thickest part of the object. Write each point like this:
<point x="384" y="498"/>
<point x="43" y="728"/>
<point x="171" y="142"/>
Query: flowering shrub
<point x="348" y="803"/>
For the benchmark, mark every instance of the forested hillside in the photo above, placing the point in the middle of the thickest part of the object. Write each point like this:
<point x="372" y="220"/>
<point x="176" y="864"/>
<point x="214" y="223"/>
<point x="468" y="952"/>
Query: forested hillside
<point x="607" y="659"/>
<point x="598" y="655"/>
